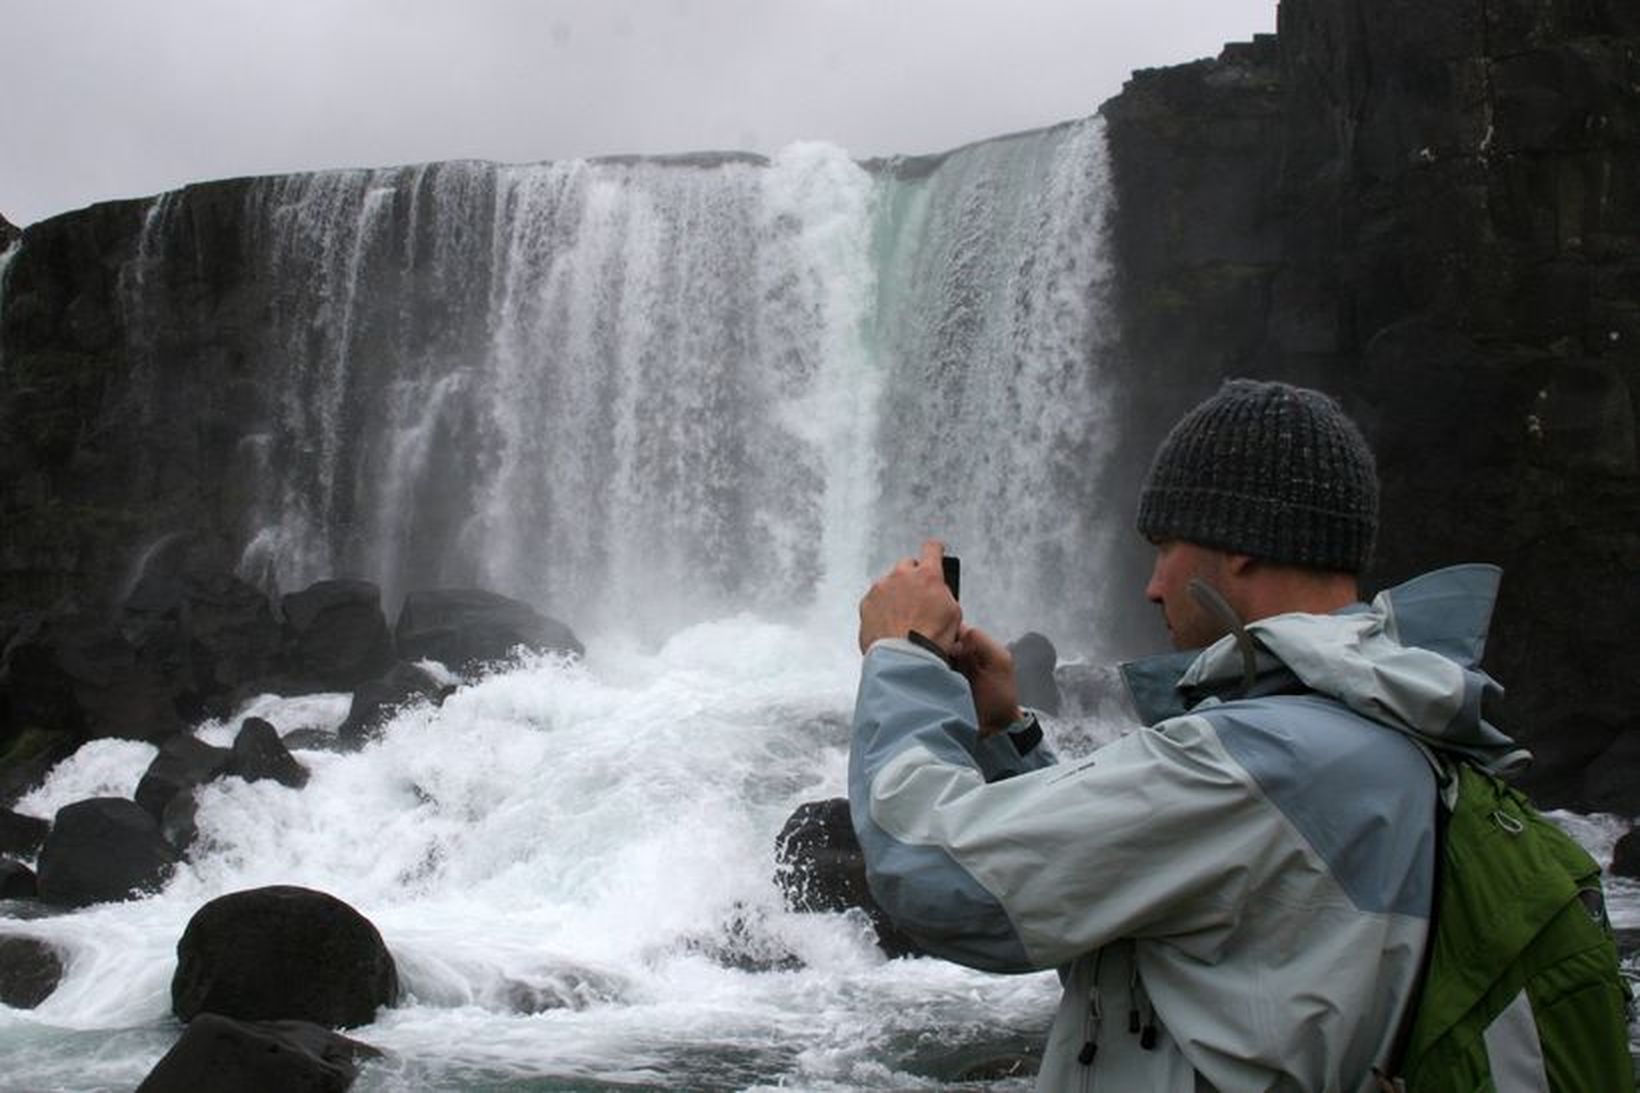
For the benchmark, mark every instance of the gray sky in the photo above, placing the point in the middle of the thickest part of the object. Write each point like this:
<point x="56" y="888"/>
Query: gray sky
<point x="121" y="98"/>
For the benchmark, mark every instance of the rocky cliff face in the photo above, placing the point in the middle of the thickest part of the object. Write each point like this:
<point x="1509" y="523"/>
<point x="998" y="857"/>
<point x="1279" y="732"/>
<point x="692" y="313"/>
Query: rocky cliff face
<point x="1431" y="213"/>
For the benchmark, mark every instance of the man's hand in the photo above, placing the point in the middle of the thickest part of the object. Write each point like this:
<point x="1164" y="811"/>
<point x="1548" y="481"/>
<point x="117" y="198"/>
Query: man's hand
<point x="911" y="597"/>
<point x="989" y="668"/>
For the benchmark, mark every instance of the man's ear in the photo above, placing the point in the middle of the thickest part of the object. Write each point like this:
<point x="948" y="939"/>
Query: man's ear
<point x="1239" y="565"/>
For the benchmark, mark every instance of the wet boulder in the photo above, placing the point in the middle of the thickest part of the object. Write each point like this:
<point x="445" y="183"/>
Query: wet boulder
<point x="30" y="756"/>
<point x="1626" y="856"/>
<point x="259" y="754"/>
<point x="1034" y="661"/>
<point x="216" y="632"/>
<point x="75" y="672"/>
<point x="183" y="762"/>
<point x="17" y="881"/>
<point x="821" y="868"/>
<point x="375" y="702"/>
<point x="30" y="970"/>
<point x="20" y="834"/>
<point x="103" y="850"/>
<point x="336" y="635"/>
<point x="178" y="823"/>
<point x="217" y="1052"/>
<point x="468" y="628"/>
<point x="282" y="953"/>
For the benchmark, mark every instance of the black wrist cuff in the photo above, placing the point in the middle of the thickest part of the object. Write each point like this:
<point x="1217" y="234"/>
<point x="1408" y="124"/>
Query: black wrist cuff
<point x="1026" y="733"/>
<point x="922" y="641"/>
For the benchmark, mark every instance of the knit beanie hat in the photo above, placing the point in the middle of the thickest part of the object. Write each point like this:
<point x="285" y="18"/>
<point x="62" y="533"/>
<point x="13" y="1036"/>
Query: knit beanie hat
<point x="1270" y="470"/>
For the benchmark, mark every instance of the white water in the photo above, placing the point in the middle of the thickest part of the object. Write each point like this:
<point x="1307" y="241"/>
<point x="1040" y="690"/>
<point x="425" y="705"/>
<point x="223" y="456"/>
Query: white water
<point x="583" y="832"/>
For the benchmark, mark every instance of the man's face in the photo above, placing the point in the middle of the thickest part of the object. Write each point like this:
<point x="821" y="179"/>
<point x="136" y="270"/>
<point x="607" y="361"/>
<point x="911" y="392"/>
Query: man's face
<point x="1190" y="625"/>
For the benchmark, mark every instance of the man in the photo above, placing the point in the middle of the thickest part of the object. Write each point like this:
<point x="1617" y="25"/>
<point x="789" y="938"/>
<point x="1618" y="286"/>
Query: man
<point x="1237" y="896"/>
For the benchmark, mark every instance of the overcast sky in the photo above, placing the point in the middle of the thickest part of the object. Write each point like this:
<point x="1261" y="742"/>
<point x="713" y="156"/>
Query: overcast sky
<point x="121" y="98"/>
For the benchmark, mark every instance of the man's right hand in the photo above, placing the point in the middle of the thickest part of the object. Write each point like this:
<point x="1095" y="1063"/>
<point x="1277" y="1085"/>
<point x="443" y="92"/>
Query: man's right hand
<point x="989" y="668"/>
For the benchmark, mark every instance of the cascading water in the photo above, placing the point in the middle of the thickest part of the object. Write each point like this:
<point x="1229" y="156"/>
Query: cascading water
<point x="645" y="393"/>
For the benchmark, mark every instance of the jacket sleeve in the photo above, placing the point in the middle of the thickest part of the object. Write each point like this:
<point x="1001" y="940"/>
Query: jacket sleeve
<point x="1156" y="834"/>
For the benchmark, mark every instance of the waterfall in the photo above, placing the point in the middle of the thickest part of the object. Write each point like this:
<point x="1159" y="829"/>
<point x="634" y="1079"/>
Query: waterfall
<point x="646" y="393"/>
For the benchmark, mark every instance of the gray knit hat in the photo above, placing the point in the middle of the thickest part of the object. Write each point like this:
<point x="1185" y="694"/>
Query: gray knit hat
<point x="1270" y="470"/>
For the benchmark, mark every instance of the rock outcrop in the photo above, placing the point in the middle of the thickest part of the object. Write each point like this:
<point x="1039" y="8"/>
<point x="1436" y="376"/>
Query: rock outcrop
<point x="1412" y="209"/>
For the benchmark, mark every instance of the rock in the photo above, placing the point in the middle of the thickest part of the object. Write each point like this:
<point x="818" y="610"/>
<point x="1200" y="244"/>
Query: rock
<point x="1034" y="661"/>
<point x="216" y="632"/>
<point x="336" y="635"/>
<point x="177" y="823"/>
<point x="21" y="834"/>
<point x="9" y="233"/>
<point x="564" y="987"/>
<point x="217" y="1052"/>
<point x="1612" y="784"/>
<point x="821" y="868"/>
<point x="258" y="753"/>
<point x="76" y="672"/>
<point x="29" y="971"/>
<point x="17" y="881"/>
<point x="103" y="850"/>
<point x="1626" y="856"/>
<point x="467" y="628"/>
<point x="281" y="953"/>
<point x="1097" y="691"/>
<point x="183" y="762"/>
<point x="375" y="702"/>
<point x="29" y="758"/>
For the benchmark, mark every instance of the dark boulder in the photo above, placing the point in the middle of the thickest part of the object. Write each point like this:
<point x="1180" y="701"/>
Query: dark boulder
<point x="103" y="850"/>
<point x="1034" y="661"/>
<point x="29" y="971"/>
<point x="177" y="823"/>
<point x="76" y="672"/>
<point x="821" y="868"/>
<point x="217" y="1052"/>
<point x="282" y="953"/>
<point x="336" y="635"/>
<point x="259" y="754"/>
<point x="9" y="233"/>
<point x="22" y="835"/>
<point x="467" y="628"/>
<point x="17" y="881"/>
<point x="215" y="633"/>
<point x="183" y="762"/>
<point x="376" y="701"/>
<point x="1626" y="856"/>
<point x="1612" y="783"/>
<point x="30" y="756"/>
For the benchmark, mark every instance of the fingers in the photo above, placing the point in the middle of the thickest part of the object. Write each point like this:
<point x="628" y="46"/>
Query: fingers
<point x="932" y="551"/>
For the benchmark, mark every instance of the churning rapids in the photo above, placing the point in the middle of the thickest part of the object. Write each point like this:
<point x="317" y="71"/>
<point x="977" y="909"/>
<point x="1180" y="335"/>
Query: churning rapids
<point x="689" y="408"/>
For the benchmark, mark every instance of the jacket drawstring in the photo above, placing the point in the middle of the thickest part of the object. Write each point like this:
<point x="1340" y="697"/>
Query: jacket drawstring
<point x="1214" y="602"/>
<point x="1096" y="1016"/>
<point x="1141" y="1014"/>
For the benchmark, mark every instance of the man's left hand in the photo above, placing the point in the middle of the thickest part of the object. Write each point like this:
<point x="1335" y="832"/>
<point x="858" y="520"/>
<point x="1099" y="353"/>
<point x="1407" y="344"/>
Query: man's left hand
<point x="911" y="597"/>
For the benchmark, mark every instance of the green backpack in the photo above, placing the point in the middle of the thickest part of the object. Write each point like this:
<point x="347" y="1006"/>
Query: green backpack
<point x="1522" y="988"/>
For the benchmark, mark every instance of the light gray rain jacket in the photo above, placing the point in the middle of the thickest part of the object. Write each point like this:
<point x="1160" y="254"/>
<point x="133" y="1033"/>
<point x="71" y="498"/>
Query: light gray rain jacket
<point x="1236" y="897"/>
